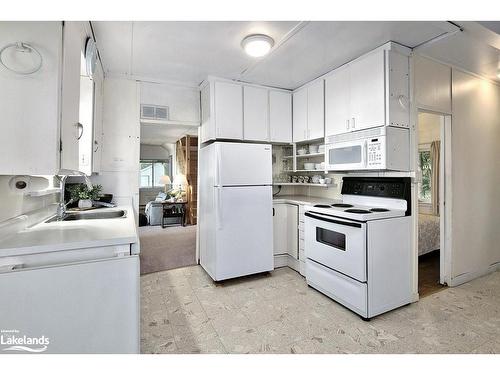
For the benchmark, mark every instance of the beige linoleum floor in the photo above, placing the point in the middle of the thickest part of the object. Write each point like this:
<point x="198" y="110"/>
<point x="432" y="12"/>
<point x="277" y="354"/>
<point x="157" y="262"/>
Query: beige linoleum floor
<point x="183" y="311"/>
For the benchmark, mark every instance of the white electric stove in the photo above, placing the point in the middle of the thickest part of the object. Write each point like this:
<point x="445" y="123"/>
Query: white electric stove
<point x="358" y="249"/>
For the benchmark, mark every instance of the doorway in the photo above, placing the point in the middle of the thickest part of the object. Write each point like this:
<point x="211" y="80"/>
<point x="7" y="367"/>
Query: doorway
<point x="432" y="165"/>
<point x="167" y="196"/>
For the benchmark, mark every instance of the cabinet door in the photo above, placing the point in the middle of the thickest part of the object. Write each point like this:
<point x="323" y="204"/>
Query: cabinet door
<point x="228" y="110"/>
<point x="255" y="114"/>
<point x="98" y="100"/>
<point x="280" y="116"/>
<point x="292" y="230"/>
<point x="29" y="111"/>
<point x="337" y="111"/>
<point x="285" y="229"/>
<point x="316" y="110"/>
<point x="367" y="77"/>
<point x="71" y="129"/>
<point x="279" y="229"/>
<point x="300" y="115"/>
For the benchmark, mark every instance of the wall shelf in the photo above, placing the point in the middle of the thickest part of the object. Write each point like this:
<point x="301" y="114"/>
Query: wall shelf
<point x="310" y="170"/>
<point x="311" y="155"/>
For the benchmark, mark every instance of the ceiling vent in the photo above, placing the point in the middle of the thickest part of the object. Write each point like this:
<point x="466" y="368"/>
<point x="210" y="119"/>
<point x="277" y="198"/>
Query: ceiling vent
<point x="154" y="112"/>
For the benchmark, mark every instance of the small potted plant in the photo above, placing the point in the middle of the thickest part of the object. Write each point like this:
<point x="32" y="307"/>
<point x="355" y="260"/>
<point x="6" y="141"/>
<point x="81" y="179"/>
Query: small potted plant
<point x="83" y="195"/>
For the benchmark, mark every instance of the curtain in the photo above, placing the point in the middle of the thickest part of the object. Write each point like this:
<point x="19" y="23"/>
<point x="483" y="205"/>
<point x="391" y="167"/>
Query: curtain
<point x="435" y="159"/>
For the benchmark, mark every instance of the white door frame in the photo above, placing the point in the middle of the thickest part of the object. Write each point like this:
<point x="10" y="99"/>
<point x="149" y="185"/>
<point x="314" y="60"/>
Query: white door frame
<point x="445" y="191"/>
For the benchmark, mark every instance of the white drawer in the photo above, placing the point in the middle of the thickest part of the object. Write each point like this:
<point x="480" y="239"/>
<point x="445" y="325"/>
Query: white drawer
<point x="349" y="292"/>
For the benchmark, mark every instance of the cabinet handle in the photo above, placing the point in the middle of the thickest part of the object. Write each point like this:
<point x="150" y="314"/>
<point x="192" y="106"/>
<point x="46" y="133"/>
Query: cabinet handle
<point x="353" y="123"/>
<point x="79" y="131"/>
<point x="97" y="146"/>
<point x="347" y="124"/>
<point x="273" y="211"/>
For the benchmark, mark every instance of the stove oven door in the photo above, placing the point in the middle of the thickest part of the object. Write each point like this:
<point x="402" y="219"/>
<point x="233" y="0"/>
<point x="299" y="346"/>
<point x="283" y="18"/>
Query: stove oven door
<point x="336" y="243"/>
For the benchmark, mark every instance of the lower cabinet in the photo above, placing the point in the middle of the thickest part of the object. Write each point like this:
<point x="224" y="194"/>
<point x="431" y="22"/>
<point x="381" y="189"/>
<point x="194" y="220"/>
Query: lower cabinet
<point x="285" y="227"/>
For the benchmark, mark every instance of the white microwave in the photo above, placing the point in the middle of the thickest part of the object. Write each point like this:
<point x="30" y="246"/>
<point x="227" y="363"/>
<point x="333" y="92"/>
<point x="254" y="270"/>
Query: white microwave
<point x="382" y="148"/>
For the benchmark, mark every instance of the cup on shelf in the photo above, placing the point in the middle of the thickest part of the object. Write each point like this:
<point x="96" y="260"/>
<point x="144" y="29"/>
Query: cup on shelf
<point x="328" y="180"/>
<point x="313" y="149"/>
<point x="315" y="179"/>
<point x="309" y="166"/>
<point x="321" y="149"/>
<point x="321" y="180"/>
<point x="301" y="151"/>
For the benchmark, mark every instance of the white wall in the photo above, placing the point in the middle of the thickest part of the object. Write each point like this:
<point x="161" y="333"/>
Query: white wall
<point x="14" y="204"/>
<point x="429" y="128"/>
<point x="475" y="176"/>
<point x="120" y="141"/>
<point x="154" y="152"/>
<point x="183" y="102"/>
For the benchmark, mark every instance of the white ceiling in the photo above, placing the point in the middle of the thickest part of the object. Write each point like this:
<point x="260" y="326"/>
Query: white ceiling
<point x="186" y="52"/>
<point x="476" y="49"/>
<point x="162" y="134"/>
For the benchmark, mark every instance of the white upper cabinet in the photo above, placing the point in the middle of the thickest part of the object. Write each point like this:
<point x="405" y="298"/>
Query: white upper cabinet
<point x="280" y="116"/>
<point x="40" y="111"/>
<point x="237" y="111"/>
<point x="315" y="110"/>
<point x="300" y="115"/>
<point x="98" y="103"/>
<point x="308" y="112"/>
<point x="371" y="91"/>
<point x="228" y="110"/>
<point x="367" y="91"/>
<point x="255" y="113"/>
<point x="337" y="97"/>
<point x="72" y="129"/>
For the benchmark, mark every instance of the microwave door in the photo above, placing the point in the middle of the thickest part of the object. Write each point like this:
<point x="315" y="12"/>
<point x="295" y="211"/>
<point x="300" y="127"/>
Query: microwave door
<point x="347" y="156"/>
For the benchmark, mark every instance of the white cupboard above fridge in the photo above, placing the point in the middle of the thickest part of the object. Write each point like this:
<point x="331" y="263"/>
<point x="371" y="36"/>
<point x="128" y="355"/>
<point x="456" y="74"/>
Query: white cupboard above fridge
<point x="237" y="111"/>
<point x="368" y="92"/>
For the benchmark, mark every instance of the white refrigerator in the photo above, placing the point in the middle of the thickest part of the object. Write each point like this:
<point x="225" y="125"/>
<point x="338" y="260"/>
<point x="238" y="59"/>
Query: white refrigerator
<point x="235" y="218"/>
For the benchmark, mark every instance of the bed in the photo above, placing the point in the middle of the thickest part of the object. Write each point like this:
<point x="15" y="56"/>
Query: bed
<point x="428" y="233"/>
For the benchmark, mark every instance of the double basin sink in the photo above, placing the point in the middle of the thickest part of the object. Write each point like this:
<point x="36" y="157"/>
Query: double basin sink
<point x="73" y="216"/>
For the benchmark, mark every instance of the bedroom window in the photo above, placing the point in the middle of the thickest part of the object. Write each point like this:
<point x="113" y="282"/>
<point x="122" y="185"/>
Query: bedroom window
<point x="425" y="165"/>
<point x="152" y="170"/>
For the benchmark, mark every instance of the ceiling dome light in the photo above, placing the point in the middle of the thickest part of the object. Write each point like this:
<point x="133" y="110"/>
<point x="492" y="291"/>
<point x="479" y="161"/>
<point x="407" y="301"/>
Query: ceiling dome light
<point x="257" y="45"/>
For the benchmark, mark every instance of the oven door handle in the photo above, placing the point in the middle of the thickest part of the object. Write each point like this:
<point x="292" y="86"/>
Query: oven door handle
<point x="322" y="218"/>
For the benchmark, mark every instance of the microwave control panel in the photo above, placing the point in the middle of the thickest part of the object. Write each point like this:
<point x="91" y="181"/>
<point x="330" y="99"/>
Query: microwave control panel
<point x="375" y="153"/>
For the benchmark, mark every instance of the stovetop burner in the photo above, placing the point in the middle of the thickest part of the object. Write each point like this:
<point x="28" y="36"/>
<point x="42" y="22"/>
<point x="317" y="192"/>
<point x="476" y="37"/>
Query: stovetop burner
<point x="378" y="209"/>
<point x="357" y="211"/>
<point x="322" y="206"/>
<point x="345" y="205"/>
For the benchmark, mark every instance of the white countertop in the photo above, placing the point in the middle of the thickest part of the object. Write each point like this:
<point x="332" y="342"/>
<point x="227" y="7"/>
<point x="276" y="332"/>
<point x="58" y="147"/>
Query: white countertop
<point x="301" y="199"/>
<point x="69" y="235"/>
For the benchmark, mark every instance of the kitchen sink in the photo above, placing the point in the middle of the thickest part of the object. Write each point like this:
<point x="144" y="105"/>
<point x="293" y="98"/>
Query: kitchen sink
<point x="72" y="216"/>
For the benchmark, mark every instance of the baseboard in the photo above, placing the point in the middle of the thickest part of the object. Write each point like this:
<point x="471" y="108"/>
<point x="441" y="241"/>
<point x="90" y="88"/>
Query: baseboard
<point x="280" y="260"/>
<point x="469" y="276"/>
<point x="285" y="260"/>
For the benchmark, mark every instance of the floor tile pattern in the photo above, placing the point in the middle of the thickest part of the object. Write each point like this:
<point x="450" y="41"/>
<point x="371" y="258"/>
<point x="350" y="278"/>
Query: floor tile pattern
<point x="184" y="311"/>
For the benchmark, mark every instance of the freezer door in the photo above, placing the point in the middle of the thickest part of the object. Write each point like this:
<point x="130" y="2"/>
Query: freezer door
<point x="243" y="164"/>
<point x="244" y="224"/>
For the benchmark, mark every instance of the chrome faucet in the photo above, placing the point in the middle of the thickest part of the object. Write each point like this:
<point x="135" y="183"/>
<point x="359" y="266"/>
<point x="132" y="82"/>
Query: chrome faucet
<point x="62" y="175"/>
